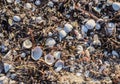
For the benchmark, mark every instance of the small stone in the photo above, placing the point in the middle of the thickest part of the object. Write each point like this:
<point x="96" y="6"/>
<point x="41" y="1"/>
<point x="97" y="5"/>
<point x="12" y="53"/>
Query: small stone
<point x="68" y="28"/>
<point x="16" y="18"/>
<point x="90" y="24"/>
<point x="116" y="6"/>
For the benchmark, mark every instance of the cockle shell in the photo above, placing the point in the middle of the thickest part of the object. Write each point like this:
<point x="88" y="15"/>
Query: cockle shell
<point x="59" y="65"/>
<point x="27" y="44"/>
<point x="90" y="24"/>
<point x="68" y="28"/>
<point x="49" y="59"/>
<point x="50" y="42"/>
<point x="116" y="6"/>
<point x="36" y="53"/>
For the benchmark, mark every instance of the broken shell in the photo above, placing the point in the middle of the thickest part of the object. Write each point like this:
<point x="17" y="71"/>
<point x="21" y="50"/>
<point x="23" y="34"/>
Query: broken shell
<point x="68" y="28"/>
<point x="36" y="53"/>
<point x="114" y="53"/>
<point x="10" y="1"/>
<point x="84" y="29"/>
<point x="50" y="4"/>
<point x="57" y="54"/>
<point x="98" y="26"/>
<point x="28" y="6"/>
<point x="111" y="28"/>
<point x="116" y="6"/>
<point x="23" y="55"/>
<point x="62" y="34"/>
<point x="38" y="19"/>
<point x="50" y="42"/>
<point x="79" y="48"/>
<point x="7" y="67"/>
<point x="27" y="44"/>
<point x="90" y="24"/>
<point x="59" y="65"/>
<point x="16" y="18"/>
<point x="37" y="2"/>
<point x="49" y="59"/>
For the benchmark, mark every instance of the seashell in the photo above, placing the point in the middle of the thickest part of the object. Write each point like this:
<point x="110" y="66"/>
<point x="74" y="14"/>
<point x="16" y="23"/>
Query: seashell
<point x="37" y="2"/>
<point x="68" y="28"/>
<point x="114" y="53"/>
<point x="28" y="6"/>
<point x="116" y="6"/>
<point x="111" y="28"/>
<point x="97" y="9"/>
<point x="91" y="49"/>
<point x="55" y="0"/>
<point x="23" y="55"/>
<point x="27" y="44"/>
<point x="79" y="48"/>
<point x="38" y="19"/>
<point x="96" y="40"/>
<point x="87" y="73"/>
<point x="59" y="65"/>
<point x="10" y="21"/>
<point x="50" y="33"/>
<point x="49" y="59"/>
<point x="36" y="53"/>
<point x="78" y="74"/>
<point x="90" y="24"/>
<point x="50" y="4"/>
<point x="84" y="29"/>
<point x="16" y="18"/>
<point x="57" y="54"/>
<point x="7" y="67"/>
<point x="62" y="34"/>
<point x="4" y="80"/>
<point x="50" y="42"/>
<point x="10" y="1"/>
<point x="78" y="35"/>
<point x="98" y="26"/>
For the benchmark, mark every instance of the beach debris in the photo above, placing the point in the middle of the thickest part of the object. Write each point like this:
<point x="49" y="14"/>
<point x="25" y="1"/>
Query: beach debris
<point x="68" y="28"/>
<point x="49" y="59"/>
<point x="27" y="44"/>
<point x="57" y="54"/>
<point x="62" y="34"/>
<point x="116" y="6"/>
<point x="37" y="2"/>
<point x="36" y="53"/>
<point x="59" y="65"/>
<point x="16" y="18"/>
<point x="28" y="6"/>
<point x="50" y="42"/>
<point x="7" y="67"/>
<point x="90" y="24"/>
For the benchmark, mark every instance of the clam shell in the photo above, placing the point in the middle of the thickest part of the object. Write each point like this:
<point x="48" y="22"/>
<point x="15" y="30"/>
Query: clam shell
<point x="50" y="42"/>
<point x="7" y="67"/>
<point x="49" y="59"/>
<point x="16" y="18"/>
<point x="27" y="44"/>
<point x="37" y="2"/>
<point x="62" y="34"/>
<point x="59" y="65"/>
<point x="116" y="6"/>
<point x="36" y="53"/>
<point x="68" y="28"/>
<point x="90" y="24"/>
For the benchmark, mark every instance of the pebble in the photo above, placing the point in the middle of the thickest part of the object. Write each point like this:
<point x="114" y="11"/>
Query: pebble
<point x="116" y="6"/>
<point x="16" y="18"/>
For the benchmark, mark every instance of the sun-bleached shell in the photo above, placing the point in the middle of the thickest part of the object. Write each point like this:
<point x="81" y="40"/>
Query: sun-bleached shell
<point x="90" y="24"/>
<point x="49" y="59"/>
<point x="27" y="44"/>
<point x="50" y="42"/>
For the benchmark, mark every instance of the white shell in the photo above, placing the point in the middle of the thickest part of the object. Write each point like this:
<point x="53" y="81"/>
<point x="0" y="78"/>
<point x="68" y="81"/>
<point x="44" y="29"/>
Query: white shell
<point x="50" y="4"/>
<point x="36" y="53"/>
<point x="49" y="59"/>
<point x="38" y="19"/>
<point x="50" y="42"/>
<point x="62" y="33"/>
<point x="68" y="28"/>
<point x="59" y="65"/>
<point x="114" y="53"/>
<point x="116" y="6"/>
<point x="79" y="48"/>
<point x="16" y="18"/>
<point x="10" y="1"/>
<point x="90" y="24"/>
<point x="57" y="54"/>
<point x="37" y="2"/>
<point x="27" y="44"/>
<point x="84" y="29"/>
<point x="111" y="27"/>
<point x="7" y="67"/>
<point x="23" y="55"/>
<point x="28" y="6"/>
<point x="97" y="26"/>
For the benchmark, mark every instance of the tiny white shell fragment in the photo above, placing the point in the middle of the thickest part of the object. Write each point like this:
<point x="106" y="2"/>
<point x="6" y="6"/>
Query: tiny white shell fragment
<point x="59" y="65"/>
<point x="84" y="29"/>
<point x="49" y="59"/>
<point x="50" y="4"/>
<point x="116" y="6"/>
<point x="36" y="53"/>
<point x="50" y="42"/>
<point x="37" y="2"/>
<point x="57" y="54"/>
<point x="7" y="67"/>
<point x="27" y="44"/>
<point x="28" y="6"/>
<point x="10" y="1"/>
<point x="50" y="33"/>
<point x="68" y="28"/>
<point x="16" y="18"/>
<point x="90" y="24"/>
<point x="78" y="74"/>
<point x="62" y="33"/>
